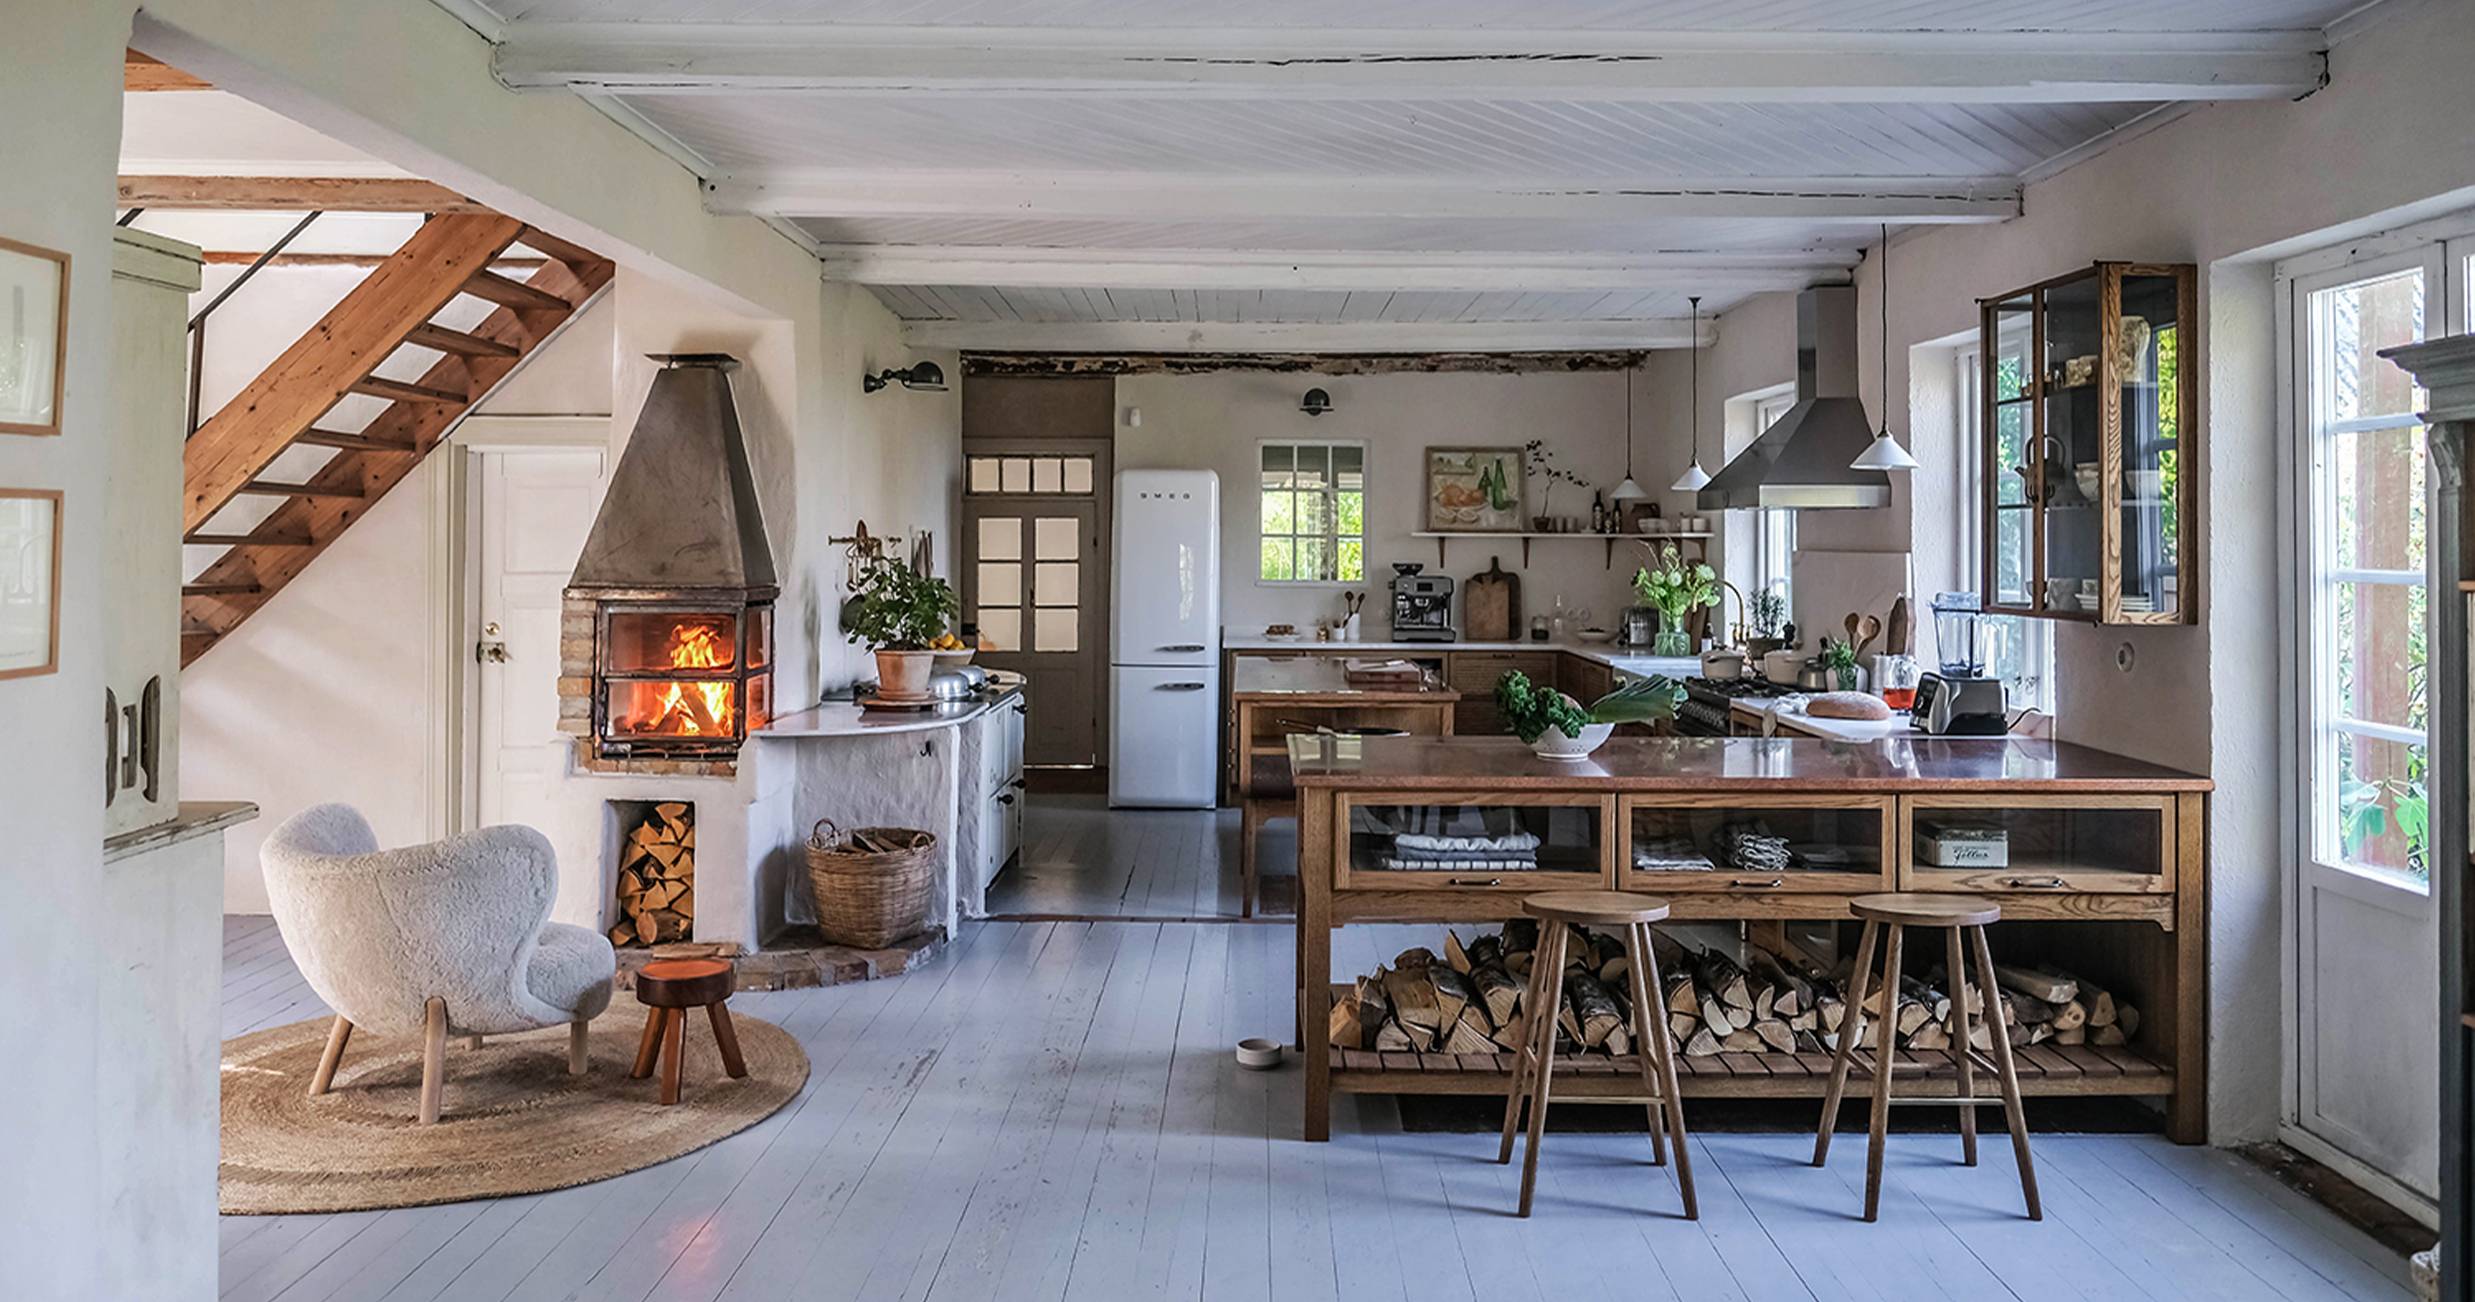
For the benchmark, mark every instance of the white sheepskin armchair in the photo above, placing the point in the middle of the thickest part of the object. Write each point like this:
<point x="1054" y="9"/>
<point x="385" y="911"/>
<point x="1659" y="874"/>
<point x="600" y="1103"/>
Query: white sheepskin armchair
<point x="450" y="937"/>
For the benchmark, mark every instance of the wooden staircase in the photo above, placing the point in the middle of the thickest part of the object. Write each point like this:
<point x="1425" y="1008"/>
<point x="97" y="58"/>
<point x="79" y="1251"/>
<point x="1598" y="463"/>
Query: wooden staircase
<point x="230" y="454"/>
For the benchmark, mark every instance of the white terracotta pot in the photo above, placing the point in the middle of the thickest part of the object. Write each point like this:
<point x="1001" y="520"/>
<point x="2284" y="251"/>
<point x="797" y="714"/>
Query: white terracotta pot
<point x="904" y="673"/>
<point x="1554" y="744"/>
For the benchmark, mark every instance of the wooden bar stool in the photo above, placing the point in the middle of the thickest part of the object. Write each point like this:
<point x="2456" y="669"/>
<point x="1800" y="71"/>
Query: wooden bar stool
<point x="1558" y="912"/>
<point x="669" y="987"/>
<point x="1955" y="915"/>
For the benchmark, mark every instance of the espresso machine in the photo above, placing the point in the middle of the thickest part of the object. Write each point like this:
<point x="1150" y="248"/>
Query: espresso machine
<point x="1421" y="605"/>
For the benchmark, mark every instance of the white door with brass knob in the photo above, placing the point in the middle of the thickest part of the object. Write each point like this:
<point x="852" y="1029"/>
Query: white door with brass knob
<point x="533" y="507"/>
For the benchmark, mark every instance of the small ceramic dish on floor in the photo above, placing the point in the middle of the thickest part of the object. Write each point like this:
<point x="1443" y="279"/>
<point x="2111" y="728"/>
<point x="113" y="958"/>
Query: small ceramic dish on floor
<point x="1258" y="1055"/>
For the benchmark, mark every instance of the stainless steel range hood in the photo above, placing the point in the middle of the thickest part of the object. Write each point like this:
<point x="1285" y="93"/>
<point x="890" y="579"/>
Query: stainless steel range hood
<point x="681" y="514"/>
<point x="1802" y="461"/>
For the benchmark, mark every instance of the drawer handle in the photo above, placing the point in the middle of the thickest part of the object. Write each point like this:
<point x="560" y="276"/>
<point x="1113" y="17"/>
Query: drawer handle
<point x="1758" y="884"/>
<point x="2033" y="883"/>
<point x="1180" y="687"/>
<point x="1477" y="881"/>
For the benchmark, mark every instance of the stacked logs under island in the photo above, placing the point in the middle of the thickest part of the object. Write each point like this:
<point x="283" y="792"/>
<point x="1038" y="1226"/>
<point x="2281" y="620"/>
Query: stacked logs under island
<point x="1469" y="1001"/>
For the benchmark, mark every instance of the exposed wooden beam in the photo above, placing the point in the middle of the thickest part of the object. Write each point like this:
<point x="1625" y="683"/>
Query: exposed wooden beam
<point x="1263" y="337"/>
<point x="242" y="258"/>
<point x="1429" y="66"/>
<point x="896" y="192"/>
<point x="1215" y="269"/>
<point x="293" y="194"/>
<point x="139" y="72"/>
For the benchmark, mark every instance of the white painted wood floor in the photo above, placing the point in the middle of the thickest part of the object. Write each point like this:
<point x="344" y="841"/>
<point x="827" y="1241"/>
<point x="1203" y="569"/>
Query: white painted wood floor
<point x="1052" y="1112"/>
<point x="1082" y="859"/>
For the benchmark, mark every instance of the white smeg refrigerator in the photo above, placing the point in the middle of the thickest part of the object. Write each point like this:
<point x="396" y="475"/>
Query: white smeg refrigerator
<point x="1164" y="652"/>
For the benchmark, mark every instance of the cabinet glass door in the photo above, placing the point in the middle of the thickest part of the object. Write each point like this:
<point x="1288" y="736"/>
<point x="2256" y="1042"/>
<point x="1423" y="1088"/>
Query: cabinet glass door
<point x="2144" y="346"/>
<point x="2010" y="424"/>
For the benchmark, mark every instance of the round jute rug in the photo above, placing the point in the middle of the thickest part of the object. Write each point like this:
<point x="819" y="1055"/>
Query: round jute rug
<point x="514" y="1121"/>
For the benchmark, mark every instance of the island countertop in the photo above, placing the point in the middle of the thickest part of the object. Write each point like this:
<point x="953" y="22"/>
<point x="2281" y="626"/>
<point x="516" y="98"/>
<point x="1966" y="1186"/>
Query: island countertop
<point x="1900" y="764"/>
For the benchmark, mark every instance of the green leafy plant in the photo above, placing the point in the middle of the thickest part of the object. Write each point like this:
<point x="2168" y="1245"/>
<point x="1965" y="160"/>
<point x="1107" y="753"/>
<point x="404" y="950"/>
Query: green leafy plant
<point x="1674" y="588"/>
<point x="1838" y="656"/>
<point x="895" y="608"/>
<point x="1530" y="709"/>
<point x="1768" y="613"/>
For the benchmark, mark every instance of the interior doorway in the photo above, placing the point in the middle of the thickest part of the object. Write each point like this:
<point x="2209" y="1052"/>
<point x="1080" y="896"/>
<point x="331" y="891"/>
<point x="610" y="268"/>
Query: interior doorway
<point x="1035" y="569"/>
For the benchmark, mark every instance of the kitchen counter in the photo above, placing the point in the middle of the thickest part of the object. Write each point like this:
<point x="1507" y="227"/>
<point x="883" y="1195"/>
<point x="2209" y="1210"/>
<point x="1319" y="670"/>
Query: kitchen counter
<point x="1703" y="764"/>
<point x="1768" y="716"/>
<point x="1627" y="660"/>
<point x="848" y="719"/>
<point x="1320" y="681"/>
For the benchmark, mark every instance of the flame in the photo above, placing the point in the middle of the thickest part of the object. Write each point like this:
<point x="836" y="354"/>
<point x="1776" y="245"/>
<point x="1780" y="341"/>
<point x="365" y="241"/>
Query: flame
<point x="697" y="646"/>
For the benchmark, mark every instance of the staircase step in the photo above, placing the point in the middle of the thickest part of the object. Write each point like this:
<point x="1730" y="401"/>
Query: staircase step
<point x="260" y="539"/>
<point x="270" y="488"/>
<point x="220" y="589"/>
<point x="459" y="343"/>
<point x="567" y="251"/>
<point x="379" y="386"/>
<point x="327" y="438"/>
<point x="513" y="293"/>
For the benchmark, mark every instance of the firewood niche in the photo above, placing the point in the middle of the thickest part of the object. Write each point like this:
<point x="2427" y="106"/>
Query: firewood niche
<point x="1469" y="1002"/>
<point x="657" y="873"/>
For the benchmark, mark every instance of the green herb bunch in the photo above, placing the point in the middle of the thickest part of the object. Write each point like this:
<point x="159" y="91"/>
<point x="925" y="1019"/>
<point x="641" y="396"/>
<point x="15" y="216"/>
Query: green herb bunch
<point x="1529" y="709"/>
<point x="896" y="608"/>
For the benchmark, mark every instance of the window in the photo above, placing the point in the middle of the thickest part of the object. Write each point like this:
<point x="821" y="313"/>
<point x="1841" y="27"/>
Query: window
<point x="1774" y="528"/>
<point x="1036" y="475"/>
<point x="2364" y="604"/>
<point x="2019" y="651"/>
<point x="1314" y="512"/>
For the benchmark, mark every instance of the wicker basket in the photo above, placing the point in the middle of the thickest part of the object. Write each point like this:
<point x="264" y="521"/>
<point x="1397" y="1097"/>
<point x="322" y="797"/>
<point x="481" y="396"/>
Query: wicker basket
<point x="871" y="884"/>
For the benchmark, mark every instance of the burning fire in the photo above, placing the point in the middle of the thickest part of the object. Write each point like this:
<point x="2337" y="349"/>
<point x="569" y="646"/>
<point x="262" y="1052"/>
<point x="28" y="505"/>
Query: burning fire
<point x="695" y="708"/>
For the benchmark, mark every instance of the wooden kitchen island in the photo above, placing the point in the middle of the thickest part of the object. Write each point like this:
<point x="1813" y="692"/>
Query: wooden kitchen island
<point x="2105" y="876"/>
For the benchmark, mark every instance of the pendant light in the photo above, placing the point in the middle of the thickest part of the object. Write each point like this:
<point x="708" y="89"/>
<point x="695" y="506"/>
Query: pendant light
<point x="1694" y="478"/>
<point x="1884" y="453"/>
<point x="1628" y="489"/>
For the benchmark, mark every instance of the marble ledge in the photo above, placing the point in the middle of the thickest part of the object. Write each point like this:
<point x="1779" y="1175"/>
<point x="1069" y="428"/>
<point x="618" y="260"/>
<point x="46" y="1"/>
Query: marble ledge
<point x="196" y="818"/>
<point x="847" y="719"/>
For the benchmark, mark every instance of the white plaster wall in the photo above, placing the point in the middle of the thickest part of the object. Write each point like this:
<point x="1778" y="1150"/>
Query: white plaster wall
<point x="1215" y="421"/>
<point x="60" y="121"/>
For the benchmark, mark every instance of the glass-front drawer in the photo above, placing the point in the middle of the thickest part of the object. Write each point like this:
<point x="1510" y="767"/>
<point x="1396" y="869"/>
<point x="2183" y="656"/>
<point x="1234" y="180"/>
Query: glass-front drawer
<point x="1420" y="841"/>
<point x="1676" y="845"/>
<point x="2038" y="844"/>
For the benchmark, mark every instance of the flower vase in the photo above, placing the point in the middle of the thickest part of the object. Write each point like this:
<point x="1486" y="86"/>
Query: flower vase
<point x="1671" y="639"/>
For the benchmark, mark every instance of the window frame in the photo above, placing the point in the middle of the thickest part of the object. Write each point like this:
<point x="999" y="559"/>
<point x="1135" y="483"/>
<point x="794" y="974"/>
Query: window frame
<point x="1333" y="537"/>
<point x="2033" y="691"/>
<point x="1774" y="528"/>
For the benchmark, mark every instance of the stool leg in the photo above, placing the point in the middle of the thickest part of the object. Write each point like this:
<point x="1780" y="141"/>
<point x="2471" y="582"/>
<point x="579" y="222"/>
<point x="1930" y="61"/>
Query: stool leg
<point x="726" y="1038"/>
<point x="1888" y="1028"/>
<point x="1525" y="1058"/>
<point x="648" y="1047"/>
<point x="1846" y="1052"/>
<point x="1663" y="1045"/>
<point x="579" y="1046"/>
<point x="674" y="1052"/>
<point x="433" y="1058"/>
<point x="1956" y="963"/>
<point x="1637" y="942"/>
<point x="2010" y="1081"/>
<point x="328" y="1061"/>
<point x="1553" y="982"/>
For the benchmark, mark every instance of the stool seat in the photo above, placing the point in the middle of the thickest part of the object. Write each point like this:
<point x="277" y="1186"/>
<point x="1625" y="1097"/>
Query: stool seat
<point x="684" y="982"/>
<point x="1595" y="908"/>
<point x="1909" y="909"/>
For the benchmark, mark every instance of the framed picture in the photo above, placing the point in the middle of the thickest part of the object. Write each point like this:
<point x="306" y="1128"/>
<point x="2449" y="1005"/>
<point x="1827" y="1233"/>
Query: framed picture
<point x="34" y="336"/>
<point x="1474" y="490"/>
<point x="29" y="581"/>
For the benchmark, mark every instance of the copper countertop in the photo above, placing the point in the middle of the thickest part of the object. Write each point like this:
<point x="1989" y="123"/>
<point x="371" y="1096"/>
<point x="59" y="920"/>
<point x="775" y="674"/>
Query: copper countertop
<point x="1896" y="765"/>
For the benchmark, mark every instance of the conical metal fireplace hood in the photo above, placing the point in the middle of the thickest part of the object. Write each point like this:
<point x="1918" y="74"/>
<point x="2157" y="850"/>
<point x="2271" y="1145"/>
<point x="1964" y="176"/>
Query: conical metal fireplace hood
<point x="681" y="514"/>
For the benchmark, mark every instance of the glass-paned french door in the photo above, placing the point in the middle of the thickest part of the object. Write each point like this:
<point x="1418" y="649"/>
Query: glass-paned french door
<point x="2363" y="949"/>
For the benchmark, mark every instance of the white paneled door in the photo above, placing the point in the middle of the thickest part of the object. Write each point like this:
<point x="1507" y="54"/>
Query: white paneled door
<point x="534" y="507"/>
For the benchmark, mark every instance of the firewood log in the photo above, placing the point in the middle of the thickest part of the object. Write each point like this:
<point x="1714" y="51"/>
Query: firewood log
<point x="2112" y="1036"/>
<point x="1702" y="1044"/>
<point x="1619" y="1043"/>
<point x="1414" y="1008"/>
<point x="1470" y="1033"/>
<point x="2103" y="1008"/>
<point x="1680" y="996"/>
<point x="1390" y="1038"/>
<point x="1519" y="962"/>
<point x="1741" y="1042"/>
<point x="2031" y="1010"/>
<point x="2042" y="984"/>
<point x="1416" y="957"/>
<point x="1715" y="1013"/>
<point x="1591" y="1008"/>
<point x="1521" y="935"/>
<point x="1452" y="995"/>
<point x="1932" y="1035"/>
<point x="1458" y="957"/>
<point x="1497" y="990"/>
<point x="1720" y="975"/>
<point x="2127" y="1017"/>
<point x="1681" y="1026"/>
<point x="1343" y="1030"/>
<point x="2071" y="1035"/>
<point x="1776" y="1034"/>
<point x="1485" y="950"/>
<point x="2070" y="1017"/>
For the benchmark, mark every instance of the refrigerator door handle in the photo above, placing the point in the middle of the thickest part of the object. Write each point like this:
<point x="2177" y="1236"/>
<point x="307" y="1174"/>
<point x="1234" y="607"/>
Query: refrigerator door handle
<point x="1189" y="646"/>
<point x="1181" y="687"/>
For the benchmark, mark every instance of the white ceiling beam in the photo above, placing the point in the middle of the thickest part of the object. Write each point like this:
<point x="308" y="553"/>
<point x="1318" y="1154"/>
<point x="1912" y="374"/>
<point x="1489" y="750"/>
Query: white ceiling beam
<point x="910" y="192"/>
<point x="1269" y="337"/>
<point x="1581" y="66"/>
<point x="1216" y="269"/>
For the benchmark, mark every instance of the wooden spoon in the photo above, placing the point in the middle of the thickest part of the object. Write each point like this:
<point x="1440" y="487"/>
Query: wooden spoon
<point x="1866" y="630"/>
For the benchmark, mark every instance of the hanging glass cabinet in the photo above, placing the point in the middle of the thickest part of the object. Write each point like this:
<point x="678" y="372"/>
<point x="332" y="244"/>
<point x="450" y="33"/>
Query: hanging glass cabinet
<point x="2091" y="425"/>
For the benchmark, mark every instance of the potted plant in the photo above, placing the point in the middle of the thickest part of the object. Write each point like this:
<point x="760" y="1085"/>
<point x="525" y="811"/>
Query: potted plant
<point x="901" y="613"/>
<point x="1840" y="658"/>
<point x="1767" y="613"/>
<point x="1558" y="728"/>
<point x="1675" y="590"/>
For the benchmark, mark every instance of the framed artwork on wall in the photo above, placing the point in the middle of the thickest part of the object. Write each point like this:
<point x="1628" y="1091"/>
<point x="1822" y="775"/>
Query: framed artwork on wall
<point x="1474" y="490"/>
<point x="29" y="581"/>
<point x="34" y="336"/>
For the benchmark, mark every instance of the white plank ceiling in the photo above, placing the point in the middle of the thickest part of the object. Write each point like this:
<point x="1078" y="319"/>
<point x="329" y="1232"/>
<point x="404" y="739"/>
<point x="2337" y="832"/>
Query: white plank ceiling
<point x="1035" y="168"/>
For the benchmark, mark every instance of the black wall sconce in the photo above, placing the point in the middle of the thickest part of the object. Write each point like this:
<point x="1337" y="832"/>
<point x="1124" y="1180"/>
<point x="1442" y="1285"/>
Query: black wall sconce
<point x="1315" y="403"/>
<point x="918" y="377"/>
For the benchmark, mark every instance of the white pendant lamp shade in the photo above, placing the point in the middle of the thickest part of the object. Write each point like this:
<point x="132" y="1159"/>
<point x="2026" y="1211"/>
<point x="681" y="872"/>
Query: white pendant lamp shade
<point x="1627" y="491"/>
<point x="1884" y="453"/>
<point x="1693" y="480"/>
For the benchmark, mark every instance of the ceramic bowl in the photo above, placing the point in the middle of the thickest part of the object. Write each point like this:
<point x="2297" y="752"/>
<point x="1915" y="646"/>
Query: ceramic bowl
<point x="2091" y="477"/>
<point x="1553" y="744"/>
<point x="1596" y="635"/>
<point x="1258" y="1055"/>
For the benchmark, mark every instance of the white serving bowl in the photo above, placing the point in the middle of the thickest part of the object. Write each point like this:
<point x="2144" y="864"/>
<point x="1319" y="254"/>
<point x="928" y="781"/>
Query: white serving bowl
<point x="1553" y="744"/>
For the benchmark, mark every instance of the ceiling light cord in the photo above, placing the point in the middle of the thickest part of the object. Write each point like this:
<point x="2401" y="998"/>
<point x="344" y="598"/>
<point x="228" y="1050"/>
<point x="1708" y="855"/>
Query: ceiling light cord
<point x="1884" y="453"/>
<point x="1694" y="478"/>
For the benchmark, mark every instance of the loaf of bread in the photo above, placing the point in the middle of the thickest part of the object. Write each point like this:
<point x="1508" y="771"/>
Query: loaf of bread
<point x="1847" y="705"/>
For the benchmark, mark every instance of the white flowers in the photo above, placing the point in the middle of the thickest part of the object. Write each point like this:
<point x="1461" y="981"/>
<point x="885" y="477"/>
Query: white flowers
<point x="1675" y="588"/>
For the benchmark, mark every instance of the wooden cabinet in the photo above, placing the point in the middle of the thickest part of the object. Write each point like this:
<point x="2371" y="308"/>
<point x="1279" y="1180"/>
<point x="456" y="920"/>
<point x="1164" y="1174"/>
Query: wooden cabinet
<point x="1517" y="842"/>
<point x="2058" y="845"/>
<point x="1583" y="680"/>
<point x="2090" y="410"/>
<point x="1474" y="673"/>
<point x="1687" y="844"/>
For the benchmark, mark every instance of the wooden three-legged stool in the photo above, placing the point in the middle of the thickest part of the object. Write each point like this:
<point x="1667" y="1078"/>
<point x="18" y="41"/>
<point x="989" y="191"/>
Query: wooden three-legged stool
<point x="668" y="988"/>
<point x="1534" y="1065"/>
<point x="1955" y="914"/>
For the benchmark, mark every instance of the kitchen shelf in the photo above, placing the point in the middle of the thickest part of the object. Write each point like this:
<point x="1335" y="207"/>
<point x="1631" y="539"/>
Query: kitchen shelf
<point x="1443" y="537"/>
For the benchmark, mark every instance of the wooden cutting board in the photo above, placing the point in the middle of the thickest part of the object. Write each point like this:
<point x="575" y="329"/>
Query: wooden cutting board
<point x="1491" y="604"/>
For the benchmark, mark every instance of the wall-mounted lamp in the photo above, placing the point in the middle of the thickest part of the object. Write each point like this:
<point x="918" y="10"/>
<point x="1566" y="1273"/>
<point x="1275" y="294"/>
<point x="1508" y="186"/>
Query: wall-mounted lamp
<point x="1315" y="403"/>
<point x="918" y="377"/>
